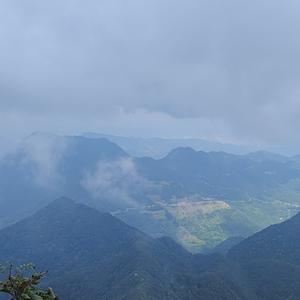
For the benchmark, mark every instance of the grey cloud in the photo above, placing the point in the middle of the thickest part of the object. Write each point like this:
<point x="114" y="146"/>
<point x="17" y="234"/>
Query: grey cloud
<point x="232" y="62"/>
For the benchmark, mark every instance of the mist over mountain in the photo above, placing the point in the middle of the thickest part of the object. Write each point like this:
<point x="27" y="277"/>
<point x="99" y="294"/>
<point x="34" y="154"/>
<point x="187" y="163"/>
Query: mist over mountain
<point x="47" y="166"/>
<point x="198" y="198"/>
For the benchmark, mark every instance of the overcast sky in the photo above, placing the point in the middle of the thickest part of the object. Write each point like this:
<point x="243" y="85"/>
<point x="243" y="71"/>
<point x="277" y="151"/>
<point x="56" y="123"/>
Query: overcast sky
<point x="219" y="69"/>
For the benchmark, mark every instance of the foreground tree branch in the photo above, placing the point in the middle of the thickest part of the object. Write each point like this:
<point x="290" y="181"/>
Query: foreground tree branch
<point x="21" y="283"/>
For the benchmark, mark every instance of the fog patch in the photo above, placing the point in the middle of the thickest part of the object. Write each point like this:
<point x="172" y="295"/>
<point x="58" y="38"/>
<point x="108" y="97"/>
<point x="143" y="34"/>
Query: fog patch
<point x="117" y="182"/>
<point x="42" y="154"/>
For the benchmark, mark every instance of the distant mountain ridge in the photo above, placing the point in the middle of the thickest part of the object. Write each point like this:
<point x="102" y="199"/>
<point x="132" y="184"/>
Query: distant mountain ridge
<point x="158" y="147"/>
<point x="215" y="170"/>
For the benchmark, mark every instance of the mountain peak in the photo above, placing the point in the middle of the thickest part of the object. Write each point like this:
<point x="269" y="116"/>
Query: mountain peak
<point x="62" y="202"/>
<point x="181" y="151"/>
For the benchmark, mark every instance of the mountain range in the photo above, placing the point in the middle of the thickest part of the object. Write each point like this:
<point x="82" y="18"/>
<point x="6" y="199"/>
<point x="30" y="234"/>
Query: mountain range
<point x="93" y="255"/>
<point x="199" y="199"/>
<point x="158" y="147"/>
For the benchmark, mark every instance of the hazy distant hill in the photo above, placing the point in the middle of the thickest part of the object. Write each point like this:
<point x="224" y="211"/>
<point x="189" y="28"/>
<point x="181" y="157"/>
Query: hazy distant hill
<point x="217" y="174"/>
<point x="160" y="147"/>
<point x="260" y="156"/>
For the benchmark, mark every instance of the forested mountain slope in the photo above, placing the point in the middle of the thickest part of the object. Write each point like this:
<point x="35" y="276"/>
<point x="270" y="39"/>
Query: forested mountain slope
<point x="92" y="255"/>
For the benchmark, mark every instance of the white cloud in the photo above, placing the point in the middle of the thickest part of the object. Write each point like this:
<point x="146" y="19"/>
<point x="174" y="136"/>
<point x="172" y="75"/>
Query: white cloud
<point x="43" y="153"/>
<point x="117" y="182"/>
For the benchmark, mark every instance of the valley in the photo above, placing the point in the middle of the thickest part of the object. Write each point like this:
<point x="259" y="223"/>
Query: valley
<point x="199" y="199"/>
